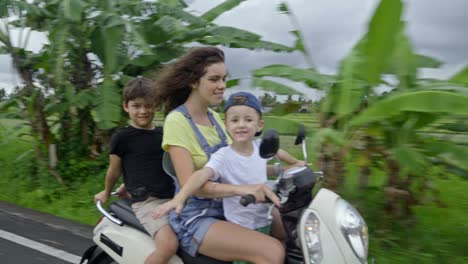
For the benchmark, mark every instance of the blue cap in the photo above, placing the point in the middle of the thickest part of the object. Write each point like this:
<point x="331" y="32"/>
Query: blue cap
<point x="243" y="98"/>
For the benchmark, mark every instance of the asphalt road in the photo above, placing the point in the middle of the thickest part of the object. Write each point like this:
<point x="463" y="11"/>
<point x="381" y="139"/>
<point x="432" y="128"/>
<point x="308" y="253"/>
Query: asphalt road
<point x="28" y="236"/>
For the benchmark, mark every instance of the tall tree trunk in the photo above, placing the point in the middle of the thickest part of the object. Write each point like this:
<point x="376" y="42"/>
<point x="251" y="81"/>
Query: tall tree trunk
<point x="37" y="118"/>
<point x="397" y="193"/>
<point x="364" y="177"/>
<point x="332" y="165"/>
<point x="82" y="78"/>
<point x="365" y="164"/>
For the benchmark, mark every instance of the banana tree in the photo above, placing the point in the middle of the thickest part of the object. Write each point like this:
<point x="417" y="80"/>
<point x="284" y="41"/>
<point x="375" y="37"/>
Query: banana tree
<point x="358" y="123"/>
<point x="95" y="46"/>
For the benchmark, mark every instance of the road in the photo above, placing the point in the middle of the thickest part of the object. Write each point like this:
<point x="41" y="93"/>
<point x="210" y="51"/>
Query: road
<point x="28" y="236"/>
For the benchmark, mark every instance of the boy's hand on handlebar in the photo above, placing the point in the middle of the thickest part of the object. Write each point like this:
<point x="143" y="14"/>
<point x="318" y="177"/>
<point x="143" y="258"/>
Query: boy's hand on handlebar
<point x="101" y="196"/>
<point x="122" y="191"/>
<point x="262" y="193"/>
<point x="164" y="208"/>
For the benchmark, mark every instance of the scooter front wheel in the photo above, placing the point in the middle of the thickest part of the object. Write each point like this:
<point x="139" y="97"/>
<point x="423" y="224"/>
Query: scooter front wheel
<point x="104" y="259"/>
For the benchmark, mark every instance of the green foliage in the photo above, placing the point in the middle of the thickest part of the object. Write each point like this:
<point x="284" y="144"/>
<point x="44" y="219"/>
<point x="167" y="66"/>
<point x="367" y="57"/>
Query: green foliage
<point x="107" y="42"/>
<point x="363" y="131"/>
<point x="283" y="125"/>
<point x="461" y="77"/>
<point x="384" y="26"/>
<point x="419" y="101"/>
<point x="109" y="106"/>
<point x="273" y="86"/>
<point x="286" y="108"/>
<point x="3" y="95"/>
<point x="129" y="38"/>
<point x="423" y="61"/>
<point x="406" y="125"/>
<point x="26" y="182"/>
<point x="215" y="12"/>
<point x="310" y="77"/>
<point x="267" y="100"/>
<point x="72" y="10"/>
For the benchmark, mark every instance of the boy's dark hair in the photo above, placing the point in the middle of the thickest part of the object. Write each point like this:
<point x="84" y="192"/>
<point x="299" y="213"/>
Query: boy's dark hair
<point x="140" y="87"/>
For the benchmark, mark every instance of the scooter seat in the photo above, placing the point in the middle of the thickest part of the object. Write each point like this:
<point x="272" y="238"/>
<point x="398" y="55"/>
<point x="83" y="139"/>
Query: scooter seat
<point x="123" y="210"/>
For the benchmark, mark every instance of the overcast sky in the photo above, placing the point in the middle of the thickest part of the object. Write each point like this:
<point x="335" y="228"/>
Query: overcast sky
<point x="437" y="28"/>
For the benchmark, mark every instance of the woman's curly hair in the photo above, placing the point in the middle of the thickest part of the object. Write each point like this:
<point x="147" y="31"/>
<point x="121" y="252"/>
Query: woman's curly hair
<point x="174" y="81"/>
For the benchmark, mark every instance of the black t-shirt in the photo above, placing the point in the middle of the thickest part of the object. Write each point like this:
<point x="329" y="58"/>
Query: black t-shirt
<point x="141" y="154"/>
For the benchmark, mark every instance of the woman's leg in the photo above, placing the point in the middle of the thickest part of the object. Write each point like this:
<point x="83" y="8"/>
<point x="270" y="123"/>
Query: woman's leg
<point x="227" y="241"/>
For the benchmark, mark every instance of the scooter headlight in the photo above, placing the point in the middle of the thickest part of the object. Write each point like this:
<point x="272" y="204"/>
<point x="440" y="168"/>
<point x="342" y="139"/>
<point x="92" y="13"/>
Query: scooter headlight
<point x="353" y="227"/>
<point x="312" y="238"/>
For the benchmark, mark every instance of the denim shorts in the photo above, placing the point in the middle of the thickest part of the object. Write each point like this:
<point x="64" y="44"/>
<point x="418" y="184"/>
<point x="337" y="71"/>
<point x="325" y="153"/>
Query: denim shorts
<point x="194" y="221"/>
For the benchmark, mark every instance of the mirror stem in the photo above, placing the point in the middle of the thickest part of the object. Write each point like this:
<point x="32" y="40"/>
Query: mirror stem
<point x="304" y="151"/>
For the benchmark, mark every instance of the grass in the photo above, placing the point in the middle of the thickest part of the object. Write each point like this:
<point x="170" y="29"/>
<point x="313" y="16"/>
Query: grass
<point x="22" y="185"/>
<point x="435" y="235"/>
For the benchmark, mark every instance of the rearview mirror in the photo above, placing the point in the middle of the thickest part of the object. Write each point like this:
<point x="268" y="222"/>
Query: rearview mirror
<point x="270" y="144"/>
<point x="300" y="135"/>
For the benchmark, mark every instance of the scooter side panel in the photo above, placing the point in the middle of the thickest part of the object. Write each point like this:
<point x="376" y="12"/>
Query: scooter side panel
<point x="135" y="246"/>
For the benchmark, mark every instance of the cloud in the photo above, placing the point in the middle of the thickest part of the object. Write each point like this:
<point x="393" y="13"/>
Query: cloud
<point x="331" y="28"/>
<point x="8" y="76"/>
<point x="438" y="29"/>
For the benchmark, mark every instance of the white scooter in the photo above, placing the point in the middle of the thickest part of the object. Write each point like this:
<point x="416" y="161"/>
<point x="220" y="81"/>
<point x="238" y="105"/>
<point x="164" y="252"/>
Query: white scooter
<point x="320" y="229"/>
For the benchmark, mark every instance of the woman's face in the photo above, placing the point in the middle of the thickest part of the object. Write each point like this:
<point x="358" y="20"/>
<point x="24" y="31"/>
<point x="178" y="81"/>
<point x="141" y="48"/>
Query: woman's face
<point x="212" y="85"/>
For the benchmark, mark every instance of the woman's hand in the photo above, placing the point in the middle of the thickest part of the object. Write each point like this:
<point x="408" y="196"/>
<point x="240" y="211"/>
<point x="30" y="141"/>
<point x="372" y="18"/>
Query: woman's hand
<point x="164" y="208"/>
<point x="261" y="192"/>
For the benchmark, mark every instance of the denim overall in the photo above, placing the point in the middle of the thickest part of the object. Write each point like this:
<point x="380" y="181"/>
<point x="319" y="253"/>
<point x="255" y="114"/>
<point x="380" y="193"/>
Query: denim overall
<point x="198" y="214"/>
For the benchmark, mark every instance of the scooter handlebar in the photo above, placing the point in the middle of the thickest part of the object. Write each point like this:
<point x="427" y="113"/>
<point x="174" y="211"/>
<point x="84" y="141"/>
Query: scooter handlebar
<point x="247" y="199"/>
<point x="107" y="215"/>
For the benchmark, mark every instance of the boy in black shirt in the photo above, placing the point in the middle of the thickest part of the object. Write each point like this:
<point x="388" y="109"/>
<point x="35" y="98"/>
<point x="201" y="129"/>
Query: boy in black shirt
<point x="135" y="152"/>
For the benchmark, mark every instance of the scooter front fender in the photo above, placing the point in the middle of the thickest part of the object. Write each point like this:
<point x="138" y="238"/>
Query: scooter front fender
<point x="334" y="247"/>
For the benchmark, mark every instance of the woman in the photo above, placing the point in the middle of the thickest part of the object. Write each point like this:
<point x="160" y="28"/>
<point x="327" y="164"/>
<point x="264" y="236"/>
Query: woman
<point x="192" y="132"/>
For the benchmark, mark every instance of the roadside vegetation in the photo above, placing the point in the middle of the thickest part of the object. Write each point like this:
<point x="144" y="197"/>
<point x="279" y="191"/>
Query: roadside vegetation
<point x="399" y="157"/>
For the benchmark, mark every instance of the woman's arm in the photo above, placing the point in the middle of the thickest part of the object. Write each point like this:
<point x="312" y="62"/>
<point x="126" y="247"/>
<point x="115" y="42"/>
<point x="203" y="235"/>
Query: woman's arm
<point x="197" y="180"/>
<point x="182" y="162"/>
<point x="191" y="185"/>
<point x="218" y="190"/>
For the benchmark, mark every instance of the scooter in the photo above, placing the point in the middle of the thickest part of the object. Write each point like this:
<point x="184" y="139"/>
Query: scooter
<point x="320" y="229"/>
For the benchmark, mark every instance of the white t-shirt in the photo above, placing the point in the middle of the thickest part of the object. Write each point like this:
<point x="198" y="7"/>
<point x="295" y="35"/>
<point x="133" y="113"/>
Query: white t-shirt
<point x="231" y="167"/>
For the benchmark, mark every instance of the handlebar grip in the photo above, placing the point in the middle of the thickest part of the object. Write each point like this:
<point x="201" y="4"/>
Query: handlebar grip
<point x="247" y="199"/>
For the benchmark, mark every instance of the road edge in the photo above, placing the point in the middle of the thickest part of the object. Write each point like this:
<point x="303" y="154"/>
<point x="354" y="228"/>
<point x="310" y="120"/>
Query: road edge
<point x="75" y="228"/>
